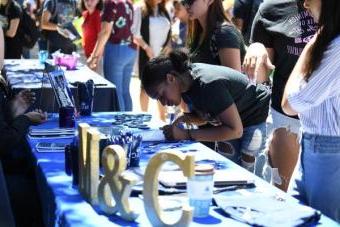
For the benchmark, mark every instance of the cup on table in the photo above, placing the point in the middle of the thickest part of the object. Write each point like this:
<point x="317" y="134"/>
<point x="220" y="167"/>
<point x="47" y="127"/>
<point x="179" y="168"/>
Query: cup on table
<point x="85" y="96"/>
<point x="66" y="117"/>
<point x="43" y="55"/>
<point x="200" y="190"/>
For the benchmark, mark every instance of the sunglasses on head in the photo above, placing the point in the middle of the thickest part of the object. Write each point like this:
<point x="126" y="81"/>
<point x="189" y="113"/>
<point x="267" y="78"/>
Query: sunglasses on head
<point x="187" y="3"/>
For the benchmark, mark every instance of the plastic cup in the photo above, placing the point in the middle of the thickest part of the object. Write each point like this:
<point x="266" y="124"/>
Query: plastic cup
<point x="85" y="96"/>
<point x="66" y="117"/>
<point x="200" y="190"/>
<point x="43" y="55"/>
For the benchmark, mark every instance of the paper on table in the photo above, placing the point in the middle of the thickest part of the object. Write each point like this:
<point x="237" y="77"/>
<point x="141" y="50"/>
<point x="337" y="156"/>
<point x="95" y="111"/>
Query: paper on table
<point x="50" y="147"/>
<point x="264" y="209"/>
<point x="83" y="74"/>
<point x="151" y="135"/>
<point x="56" y="132"/>
<point x="221" y="178"/>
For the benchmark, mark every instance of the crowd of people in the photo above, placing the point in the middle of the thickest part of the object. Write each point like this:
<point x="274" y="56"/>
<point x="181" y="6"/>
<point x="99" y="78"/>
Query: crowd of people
<point x="259" y="82"/>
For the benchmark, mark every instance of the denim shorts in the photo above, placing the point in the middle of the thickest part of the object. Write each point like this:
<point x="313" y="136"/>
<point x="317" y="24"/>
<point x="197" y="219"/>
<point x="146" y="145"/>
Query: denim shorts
<point x="316" y="178"/>
<point x="251" y="143"/>
<point x="276" y="120"/>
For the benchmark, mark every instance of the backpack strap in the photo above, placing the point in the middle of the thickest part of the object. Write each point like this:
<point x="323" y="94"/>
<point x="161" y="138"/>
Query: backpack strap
<point x="54" y="9"/>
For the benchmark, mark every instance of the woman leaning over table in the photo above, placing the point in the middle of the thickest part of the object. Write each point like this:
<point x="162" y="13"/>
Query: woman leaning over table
<point x="313" y="92"/>
<point x="213" y="39"/>
<point x="218" y="97"/>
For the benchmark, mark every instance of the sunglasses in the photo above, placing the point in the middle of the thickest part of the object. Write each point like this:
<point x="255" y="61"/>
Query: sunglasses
<point x="187" y="3"/>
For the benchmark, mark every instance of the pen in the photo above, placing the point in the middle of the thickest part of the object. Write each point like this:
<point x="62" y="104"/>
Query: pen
<point x="234" y="187"/>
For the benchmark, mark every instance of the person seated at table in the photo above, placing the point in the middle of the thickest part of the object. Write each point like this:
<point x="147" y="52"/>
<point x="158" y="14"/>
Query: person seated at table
<point x="218" y="96"/>
<point x="15" y="157"/>
<point x="14" y="151"/>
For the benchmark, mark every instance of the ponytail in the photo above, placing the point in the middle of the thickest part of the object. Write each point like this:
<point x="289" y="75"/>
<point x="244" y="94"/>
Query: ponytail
<point x="180" y="60"/>
<point x="156" y="70"/>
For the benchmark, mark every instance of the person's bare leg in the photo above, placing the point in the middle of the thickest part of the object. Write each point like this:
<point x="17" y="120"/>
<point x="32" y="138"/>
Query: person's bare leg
<point x="144" y="100"/>
<point x="283" y="154"/>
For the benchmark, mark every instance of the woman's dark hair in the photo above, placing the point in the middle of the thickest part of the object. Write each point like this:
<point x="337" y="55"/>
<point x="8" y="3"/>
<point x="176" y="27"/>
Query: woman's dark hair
<point x="99" y="6"/>
<point x="148" y="6"/>
<point x="216" y="14"/>
<point x="156" y="70"/>
<point x="329" y="28"/>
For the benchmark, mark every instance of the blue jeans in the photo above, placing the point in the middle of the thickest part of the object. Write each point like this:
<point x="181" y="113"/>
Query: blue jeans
<point x="316" y="178"/>
<point x="252" y="143"/>
<point x="118" y="64"/>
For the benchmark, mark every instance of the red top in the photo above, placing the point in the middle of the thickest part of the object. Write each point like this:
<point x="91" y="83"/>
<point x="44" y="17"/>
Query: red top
<point x="120" y="12"/>
<point x="91" y="29"/>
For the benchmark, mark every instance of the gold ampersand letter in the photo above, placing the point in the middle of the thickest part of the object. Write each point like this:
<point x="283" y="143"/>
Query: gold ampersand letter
<point x="114" y="185"/>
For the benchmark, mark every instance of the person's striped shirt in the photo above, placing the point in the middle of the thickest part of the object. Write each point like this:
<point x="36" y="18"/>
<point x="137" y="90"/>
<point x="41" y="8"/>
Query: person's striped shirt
<point x="318" y="100"/>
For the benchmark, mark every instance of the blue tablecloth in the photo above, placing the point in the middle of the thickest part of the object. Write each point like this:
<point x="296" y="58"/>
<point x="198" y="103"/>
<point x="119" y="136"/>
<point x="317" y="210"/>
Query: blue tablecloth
<point x="63" y="206"/>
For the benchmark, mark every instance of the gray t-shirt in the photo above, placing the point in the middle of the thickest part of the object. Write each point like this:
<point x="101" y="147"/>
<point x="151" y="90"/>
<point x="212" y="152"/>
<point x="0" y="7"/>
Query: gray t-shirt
<point x="215" y="88"/>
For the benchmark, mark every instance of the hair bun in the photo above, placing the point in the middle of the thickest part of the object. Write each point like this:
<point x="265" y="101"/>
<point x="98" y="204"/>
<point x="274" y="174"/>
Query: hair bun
<point x="179" y="59"/>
